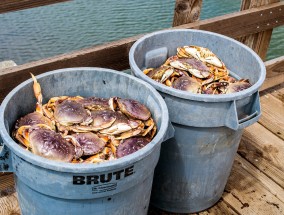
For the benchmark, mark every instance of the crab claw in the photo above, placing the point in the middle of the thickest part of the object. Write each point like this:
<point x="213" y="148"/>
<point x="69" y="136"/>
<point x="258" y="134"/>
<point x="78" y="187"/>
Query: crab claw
<point x="38" y="95"/>
<point x="131" y="145"/>
<point x="187" y="84"/>
<point x="133" y="109"/>
<point x="49" y="144"/>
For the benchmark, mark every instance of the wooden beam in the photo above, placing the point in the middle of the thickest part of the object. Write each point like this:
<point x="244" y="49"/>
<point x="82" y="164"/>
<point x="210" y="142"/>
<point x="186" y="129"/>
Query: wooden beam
<point x="275" y="73"/>
<point x="259" y="42"/>
<point x="186" y="11"/>
<point x="114" y="55"/>
<point x="14" y="5"/>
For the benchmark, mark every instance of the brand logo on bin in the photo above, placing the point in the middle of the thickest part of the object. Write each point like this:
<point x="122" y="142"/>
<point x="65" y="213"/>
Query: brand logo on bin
<point x="103" y="178"/>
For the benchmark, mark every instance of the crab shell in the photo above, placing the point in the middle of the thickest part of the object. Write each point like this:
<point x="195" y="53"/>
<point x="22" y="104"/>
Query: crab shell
<point x="51" y="145"/>
<point x="33" y="118"/>
<point x="131" y="145"/>
<point x="120" y="125"/>
<point x="103" y="118"/>
<point x="192" y="65"/>
<point x="133" y="108"/>
<point x="95" y="103"/>
<point x="188" y="84"/>
<point x="160" y="74"/>
<point x="237" y="86"/>
<point x="69" y="112"/>
<point x="201" y="53"/>
<point x="87" y="143"/>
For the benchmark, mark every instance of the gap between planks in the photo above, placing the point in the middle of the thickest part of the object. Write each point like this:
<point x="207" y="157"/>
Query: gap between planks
<point x="249" y="191"/>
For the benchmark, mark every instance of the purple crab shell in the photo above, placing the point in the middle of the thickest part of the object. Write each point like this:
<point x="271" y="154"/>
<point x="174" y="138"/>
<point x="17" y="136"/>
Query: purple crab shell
<point x="70" y="112"/>
<point x="90" y="143"/>
<point x="131" y="145"/>
<point x="51" y="145"/>
<point x="133" y="109"/>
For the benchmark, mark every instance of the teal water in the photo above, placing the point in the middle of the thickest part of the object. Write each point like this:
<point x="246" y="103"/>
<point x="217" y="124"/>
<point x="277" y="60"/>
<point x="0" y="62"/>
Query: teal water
<point x="42" y="32"/>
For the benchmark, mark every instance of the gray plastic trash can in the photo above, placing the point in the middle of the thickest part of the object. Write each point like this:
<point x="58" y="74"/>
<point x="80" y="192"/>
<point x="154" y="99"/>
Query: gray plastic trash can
<point x="48" y="187"/>
<point x="194" y="165"/>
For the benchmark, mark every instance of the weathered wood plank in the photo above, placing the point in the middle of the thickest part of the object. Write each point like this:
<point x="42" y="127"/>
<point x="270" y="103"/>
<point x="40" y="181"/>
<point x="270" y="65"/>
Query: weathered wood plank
<point x="249" y="191"/>
<point x="275" y="73"/>
<point x="220" y="208"/>
<point x="14" y="5"/>
<point x="259" y="42"/>
<point x="9" y="205"/>
<point x="115" y="54"/>
<point x="186" y="11"/>
<point x="6" y="180"/>
<point x="264" y="150"/>
<point x="279" y="93"/>
<point x="272" y="115"/>
<point x="8" y="197"/>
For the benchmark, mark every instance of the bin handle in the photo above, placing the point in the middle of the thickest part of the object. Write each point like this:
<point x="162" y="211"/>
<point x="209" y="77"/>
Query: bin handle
<point x="5" y="158"/>
<point x="232" y="119"/>
<point x="170" y="132"/>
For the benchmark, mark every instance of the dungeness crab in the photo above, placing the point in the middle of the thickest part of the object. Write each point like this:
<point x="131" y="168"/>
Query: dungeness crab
<point x="197" y="70"/>
<point x="90" y="130"/>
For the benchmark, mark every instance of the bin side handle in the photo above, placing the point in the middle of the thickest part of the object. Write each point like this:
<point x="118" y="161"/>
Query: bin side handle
<point x="232" y="119"/>
<point x="5" y="158"/>
<point x="170" y="132"/>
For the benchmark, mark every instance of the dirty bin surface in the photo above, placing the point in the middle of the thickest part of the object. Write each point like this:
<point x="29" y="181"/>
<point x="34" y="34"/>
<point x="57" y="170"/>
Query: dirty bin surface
<point x="46" y="187"/>
<point x="257" y="173"/>
<point x="194" y="165"/>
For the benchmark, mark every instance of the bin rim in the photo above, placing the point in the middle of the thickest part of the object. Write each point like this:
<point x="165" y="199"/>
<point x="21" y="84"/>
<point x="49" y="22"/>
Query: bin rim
<point x="192" y="96"/>
<point x="84" y="168"/>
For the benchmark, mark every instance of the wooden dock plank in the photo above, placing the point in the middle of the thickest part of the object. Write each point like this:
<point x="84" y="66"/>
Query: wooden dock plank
<point x="272" y="114"/>
<point x="8" y="197"/>
<point x="9" y="205"/>
<point x="279" y="93"/>
<point x="275" y="73"/>
<point x="264" y="150"/>
<point x="220" y="208"/>
<point x="248" y="190"/>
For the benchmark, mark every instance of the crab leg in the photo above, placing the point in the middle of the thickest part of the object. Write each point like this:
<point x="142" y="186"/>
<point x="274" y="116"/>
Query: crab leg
<point x="38" y="95"/>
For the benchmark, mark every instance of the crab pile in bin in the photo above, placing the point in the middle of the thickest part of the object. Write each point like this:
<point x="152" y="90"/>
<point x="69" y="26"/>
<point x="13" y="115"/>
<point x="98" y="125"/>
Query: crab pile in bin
<point x="84" y="130"/>
<point x="197" y="70"/>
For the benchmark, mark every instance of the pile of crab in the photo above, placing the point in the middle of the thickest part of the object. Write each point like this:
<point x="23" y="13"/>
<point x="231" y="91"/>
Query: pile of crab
<point x="84" y="130"/>
<point x="197" y="70"/>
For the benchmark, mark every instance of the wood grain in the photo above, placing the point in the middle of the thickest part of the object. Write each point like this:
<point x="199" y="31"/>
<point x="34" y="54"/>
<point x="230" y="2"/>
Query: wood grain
<point x="274" y="73"/>
<point x="249" y="191"/>
<point x="114" y="55"/>
<point x="14" y="5"/>
<point x="259" y="42"/>
<point x="272" y="114"/>
<point x="9" y="205"/>
<point x="264" y="150"/>
<point x="279" y="93"/>
<point x="186" y="11"/>
<point x="219" y="208"/>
